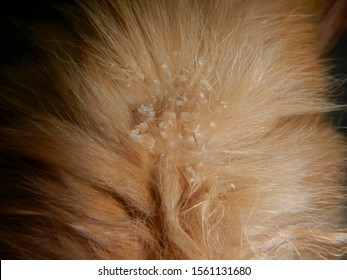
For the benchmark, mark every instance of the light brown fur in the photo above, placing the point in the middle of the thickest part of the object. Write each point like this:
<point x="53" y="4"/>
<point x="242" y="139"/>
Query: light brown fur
<point x="173" y="130"/>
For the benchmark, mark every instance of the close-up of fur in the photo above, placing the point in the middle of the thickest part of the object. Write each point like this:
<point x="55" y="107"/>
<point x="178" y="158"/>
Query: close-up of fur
<point x="172" y="129"/>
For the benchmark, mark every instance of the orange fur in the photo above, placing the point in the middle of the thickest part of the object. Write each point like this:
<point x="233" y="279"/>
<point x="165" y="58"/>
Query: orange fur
<point x="173" y="129"/>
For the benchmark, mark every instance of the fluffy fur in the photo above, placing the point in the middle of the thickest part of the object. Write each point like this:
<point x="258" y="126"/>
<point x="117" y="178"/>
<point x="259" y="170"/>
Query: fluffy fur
<point x="175" y="129"/>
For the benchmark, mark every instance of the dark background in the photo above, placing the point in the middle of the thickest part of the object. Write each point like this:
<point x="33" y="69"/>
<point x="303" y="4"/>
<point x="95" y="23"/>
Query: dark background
<point x="338" y="58"/>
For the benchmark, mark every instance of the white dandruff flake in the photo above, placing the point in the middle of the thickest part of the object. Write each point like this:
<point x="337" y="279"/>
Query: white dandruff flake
<point x="202" y="97"/>
<point x="142" y="127"/>
<point x="133" y="64"/>
<point x="168" y="120"/>
<point x="192" y="174"/>
<point x="156" y="82"/>
<point x="197" y="128"/>
<point x="207" y="85"/>
<point x="146" y="110"/>
<point x="185" y="116"/>
<point x="164" y="66"/>
<point x="163" y="134"/>
<point x="213" y="124"/>
<point x="191" y="171"/>
<point x="141" y="76"/>
<point x="182" y="78"/>
<point x="162" y="125"/>
<point x="180" y="102"/>
<point x="224" y="103"/>
<point x="232" y="186"/>
<point x="149" y="141"/>
<point x="170" y="114"/>
<point x="201" y="61"/>
<point x="135" y="135"/>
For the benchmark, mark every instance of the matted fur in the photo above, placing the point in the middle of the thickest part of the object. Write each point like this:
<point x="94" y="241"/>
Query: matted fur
<point x="175" y="129"/>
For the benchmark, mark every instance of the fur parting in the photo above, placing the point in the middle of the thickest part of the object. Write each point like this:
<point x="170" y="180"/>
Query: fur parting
<point x="175" y="129"/>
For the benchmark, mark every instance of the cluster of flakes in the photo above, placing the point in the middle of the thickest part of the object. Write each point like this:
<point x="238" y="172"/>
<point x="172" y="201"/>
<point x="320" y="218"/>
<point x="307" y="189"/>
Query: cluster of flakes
<point x="195" y="175"/>
<point x="191" y="173"/>
<point x="179" y="126"/>
<point x="139" y="134"/>
<point x="168" y="124"/>
<point x="177" y="129"/>
<point x="133" y="73"/>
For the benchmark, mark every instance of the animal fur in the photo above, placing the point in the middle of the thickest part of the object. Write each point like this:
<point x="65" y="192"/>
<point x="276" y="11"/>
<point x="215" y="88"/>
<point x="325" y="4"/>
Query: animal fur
<point x="176" y="129"/>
